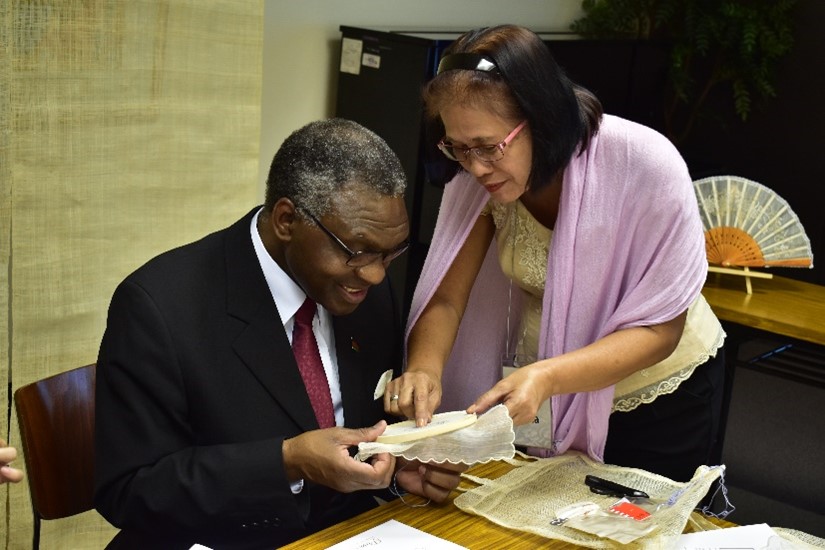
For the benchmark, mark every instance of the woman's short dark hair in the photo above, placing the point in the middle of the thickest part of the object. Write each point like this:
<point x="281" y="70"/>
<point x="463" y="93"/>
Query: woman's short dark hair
<point x="528" y="84"/>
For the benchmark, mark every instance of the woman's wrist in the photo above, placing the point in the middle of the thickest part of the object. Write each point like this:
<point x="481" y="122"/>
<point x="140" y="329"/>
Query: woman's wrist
<point x="428" y="368"/>
<point x="547" y="377"/>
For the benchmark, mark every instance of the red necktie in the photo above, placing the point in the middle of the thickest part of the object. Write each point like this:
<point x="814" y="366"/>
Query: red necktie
<point x="306" y="353"/>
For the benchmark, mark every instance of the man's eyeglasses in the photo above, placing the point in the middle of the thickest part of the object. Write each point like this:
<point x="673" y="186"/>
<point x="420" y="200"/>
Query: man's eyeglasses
<point x="362" y="258"/>
<point x="484" y="153"/>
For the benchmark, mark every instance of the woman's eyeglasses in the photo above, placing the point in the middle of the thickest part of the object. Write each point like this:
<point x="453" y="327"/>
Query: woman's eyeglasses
<point x="362" y="258"/>
<point x="484" y="153"/>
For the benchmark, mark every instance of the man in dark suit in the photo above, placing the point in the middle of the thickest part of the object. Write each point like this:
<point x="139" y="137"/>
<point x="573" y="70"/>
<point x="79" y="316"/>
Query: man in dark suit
<point x="205" y="430"/>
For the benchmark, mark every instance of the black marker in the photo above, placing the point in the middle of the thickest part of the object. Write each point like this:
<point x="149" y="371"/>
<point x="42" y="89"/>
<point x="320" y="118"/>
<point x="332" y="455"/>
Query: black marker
<point x="604" y="487"/>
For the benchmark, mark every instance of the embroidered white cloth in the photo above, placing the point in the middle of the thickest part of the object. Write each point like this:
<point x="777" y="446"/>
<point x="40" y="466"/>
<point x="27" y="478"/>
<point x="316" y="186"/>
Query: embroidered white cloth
<point x="489" y="438"/>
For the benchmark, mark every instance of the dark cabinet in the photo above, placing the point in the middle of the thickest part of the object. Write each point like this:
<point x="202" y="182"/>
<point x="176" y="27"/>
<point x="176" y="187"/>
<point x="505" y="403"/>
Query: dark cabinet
<point x="379" y="85"/>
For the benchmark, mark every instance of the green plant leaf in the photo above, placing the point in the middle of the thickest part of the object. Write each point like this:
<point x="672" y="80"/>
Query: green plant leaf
<point x="735" y="43"/>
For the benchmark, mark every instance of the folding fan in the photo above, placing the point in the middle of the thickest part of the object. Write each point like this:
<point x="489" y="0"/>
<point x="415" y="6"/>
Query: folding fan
<point x="749" y="225"/>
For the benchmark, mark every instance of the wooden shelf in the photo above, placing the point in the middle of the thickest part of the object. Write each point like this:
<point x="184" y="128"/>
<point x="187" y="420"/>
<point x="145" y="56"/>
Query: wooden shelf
<point x="779" y="305"/>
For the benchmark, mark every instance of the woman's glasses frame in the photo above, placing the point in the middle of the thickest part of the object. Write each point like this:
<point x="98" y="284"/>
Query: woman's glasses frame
<point x="484" y="153"/>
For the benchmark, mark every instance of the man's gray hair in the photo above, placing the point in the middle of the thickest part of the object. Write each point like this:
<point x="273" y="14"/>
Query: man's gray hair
<point x="316" y="161"/>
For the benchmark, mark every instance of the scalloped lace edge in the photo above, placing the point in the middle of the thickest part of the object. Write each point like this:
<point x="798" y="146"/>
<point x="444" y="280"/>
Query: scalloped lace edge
<point x="669" y="385"/>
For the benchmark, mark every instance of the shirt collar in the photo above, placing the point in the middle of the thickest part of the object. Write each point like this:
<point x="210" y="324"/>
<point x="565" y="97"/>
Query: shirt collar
<point x="287" y="294"/>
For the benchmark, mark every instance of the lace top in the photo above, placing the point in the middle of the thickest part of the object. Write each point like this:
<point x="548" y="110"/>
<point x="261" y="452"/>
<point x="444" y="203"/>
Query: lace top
<point x="523" y="246"/>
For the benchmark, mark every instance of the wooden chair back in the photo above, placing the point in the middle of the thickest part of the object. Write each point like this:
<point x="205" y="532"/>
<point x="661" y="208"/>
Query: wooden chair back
<point x="56" y="417"/>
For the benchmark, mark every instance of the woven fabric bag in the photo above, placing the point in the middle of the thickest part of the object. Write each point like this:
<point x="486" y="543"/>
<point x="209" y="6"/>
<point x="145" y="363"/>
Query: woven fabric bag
<point x="527" y="498"/>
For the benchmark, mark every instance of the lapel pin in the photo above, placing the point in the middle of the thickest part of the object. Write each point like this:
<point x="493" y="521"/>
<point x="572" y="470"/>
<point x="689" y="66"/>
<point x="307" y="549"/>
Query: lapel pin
<point x="354" y="344"/>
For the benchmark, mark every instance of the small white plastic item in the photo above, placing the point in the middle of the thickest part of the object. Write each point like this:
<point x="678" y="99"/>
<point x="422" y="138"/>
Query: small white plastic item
<point x="581" y="508"/>
<point x="382" y="384"/>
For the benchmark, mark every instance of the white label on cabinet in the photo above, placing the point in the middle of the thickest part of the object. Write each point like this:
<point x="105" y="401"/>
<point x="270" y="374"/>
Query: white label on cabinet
<point x="371" y="60"/>
<point x="351" y="55"/>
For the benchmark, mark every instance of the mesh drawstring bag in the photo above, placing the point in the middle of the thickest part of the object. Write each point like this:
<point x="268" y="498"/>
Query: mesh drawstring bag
<point x="527" y="498"/>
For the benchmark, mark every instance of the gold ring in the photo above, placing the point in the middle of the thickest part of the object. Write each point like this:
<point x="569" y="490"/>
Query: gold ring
<point x="394" y="397"/>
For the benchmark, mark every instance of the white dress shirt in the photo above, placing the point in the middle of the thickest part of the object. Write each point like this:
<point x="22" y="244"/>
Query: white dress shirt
<point x="288" y="298"/>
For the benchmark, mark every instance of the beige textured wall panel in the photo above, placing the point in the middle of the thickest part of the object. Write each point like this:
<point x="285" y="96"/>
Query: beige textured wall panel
<point x="129" y="127"/>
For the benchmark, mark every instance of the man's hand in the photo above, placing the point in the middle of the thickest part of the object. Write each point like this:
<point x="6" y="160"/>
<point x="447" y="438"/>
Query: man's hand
<point x="322" y="456"/>
<point x="7" y="473"/>
<point x="429" y="480"/>
<point x="417" y="395"/>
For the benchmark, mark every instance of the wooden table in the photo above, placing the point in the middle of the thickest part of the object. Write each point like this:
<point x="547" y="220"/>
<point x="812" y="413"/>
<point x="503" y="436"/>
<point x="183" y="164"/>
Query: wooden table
<point x="445" y="521"/>
<point x="780" y="305"/>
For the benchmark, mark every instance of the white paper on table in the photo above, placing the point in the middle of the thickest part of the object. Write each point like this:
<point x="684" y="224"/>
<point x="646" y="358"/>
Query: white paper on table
<point x="756" y="537"/>
<point x="398" y="536"/>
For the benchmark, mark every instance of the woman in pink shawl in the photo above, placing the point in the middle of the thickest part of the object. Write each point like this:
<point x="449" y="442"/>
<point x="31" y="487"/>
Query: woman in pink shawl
<point x="568" y="244"/>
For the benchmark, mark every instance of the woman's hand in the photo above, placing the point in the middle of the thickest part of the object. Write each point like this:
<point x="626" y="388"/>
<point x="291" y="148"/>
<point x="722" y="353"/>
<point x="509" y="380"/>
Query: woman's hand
<point x="593" y="367"/>
<point x="415" y="394"/>
<point x="431" y="338"/>
<point x="522" y="392"/>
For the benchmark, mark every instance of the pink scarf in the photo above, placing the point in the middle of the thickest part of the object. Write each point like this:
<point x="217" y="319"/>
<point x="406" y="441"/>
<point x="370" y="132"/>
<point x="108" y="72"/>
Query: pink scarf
<point x="627" y="250"/>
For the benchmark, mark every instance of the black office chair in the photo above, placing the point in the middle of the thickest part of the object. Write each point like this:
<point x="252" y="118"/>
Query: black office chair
<point x="56" y="417"/>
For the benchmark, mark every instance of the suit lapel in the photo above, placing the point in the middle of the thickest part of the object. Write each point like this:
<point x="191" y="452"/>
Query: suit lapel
<point x="358" y="373"/>
<point x="263" y="345"/>
<point x="367" y="342"/>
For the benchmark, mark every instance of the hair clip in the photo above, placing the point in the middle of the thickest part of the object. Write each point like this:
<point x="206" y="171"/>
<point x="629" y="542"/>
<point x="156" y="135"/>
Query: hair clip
<point x="467" y="61"/>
